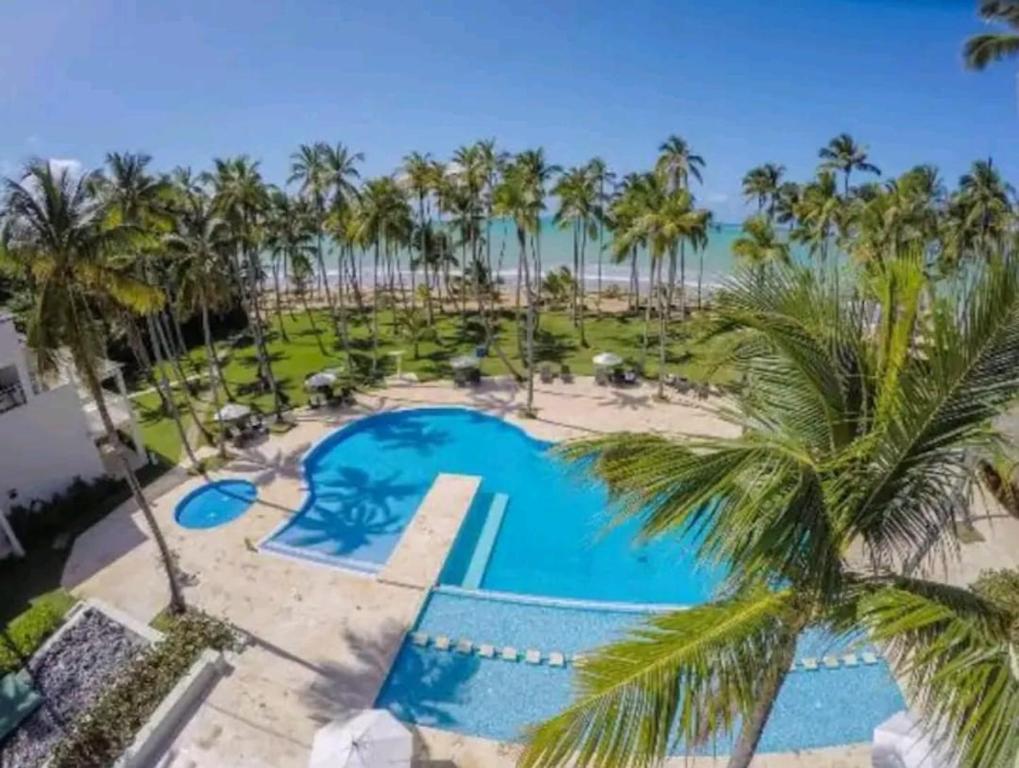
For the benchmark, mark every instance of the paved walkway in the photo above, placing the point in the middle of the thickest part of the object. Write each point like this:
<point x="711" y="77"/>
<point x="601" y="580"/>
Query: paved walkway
<point x="323" y="639"/>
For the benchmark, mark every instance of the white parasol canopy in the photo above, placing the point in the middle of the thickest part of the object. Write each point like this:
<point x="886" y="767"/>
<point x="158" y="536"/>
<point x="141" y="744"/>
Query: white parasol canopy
<point x="900" y="741"/>
<point x="233" y="412"/>
<point x="607" y="360"/>
<point x="320" y="380"/>
<point x="464" y="361"/>
<point x="371" y="739"/>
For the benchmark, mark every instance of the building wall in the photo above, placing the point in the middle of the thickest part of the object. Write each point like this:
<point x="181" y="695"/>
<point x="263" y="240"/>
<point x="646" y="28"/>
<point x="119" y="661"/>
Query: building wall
<point x="44" y="446"/>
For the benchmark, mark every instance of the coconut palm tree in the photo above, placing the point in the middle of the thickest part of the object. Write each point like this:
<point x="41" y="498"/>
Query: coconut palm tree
<point x="759" y="246"/>
<point x="308" y="168"/>
<point x="343" y="178"/>
<point x="578" y="206"/>
<point x="240" y="197"/>
<point x="987" y="199"/>
<point x="520" y="198"/>
<point x="852" y="442"/>
<point x="761" y="185"/>
<point x="843" y="154"/>
<point x="201" y="243"/>
<point x="981" y="50"/>
<point x="539" y="173"/>
<point x="675" y="165"/>
<point x="819" y="213"/>
<point x="140" y="201"/>
<point x="417" y="179"/>
<point x="602" y="178"/>
<point x="55" y="218"/>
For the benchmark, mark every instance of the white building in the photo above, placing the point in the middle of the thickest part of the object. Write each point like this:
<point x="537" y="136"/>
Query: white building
<point x="50" y="431"/>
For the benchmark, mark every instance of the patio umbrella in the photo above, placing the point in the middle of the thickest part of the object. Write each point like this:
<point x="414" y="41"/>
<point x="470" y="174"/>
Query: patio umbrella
<point x="320" y="380"/>
<point x="371" y="739"/>
<point x="232" y="412"/>
<point x="607" y="360"/>
<point x="463" y="362"/>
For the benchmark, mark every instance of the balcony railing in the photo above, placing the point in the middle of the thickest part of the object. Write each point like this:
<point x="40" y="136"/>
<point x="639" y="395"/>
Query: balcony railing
<point x="11" y="396"/>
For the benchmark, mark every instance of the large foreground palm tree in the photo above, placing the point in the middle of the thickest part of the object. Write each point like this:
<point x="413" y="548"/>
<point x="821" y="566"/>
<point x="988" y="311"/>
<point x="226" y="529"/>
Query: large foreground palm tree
<point x="981" y="50"/>
<point x="54" y="223"/>
<point x="854" y="447"/>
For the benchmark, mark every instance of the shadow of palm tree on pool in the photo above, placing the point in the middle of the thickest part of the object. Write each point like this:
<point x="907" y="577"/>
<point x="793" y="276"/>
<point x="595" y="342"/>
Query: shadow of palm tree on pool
<point x="417" y="433"/>
<point x="349" y="510"/>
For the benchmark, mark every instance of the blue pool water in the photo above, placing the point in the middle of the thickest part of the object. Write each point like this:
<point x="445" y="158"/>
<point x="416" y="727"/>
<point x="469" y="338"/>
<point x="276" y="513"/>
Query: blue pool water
<point x="367" y="479"/>
<point x="215" y="503"/>
<point x="498" y="699"/>
<point x="545" y="571"/>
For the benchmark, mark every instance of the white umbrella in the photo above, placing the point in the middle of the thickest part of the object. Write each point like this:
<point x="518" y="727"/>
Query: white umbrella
<point x="320" y="380"/>
<point x="607" y="360"/>
<point x="464" y="361"/>
<point x="900" y="741"/>
<point x="371" y="739"/>
<point x="232" y="412"/>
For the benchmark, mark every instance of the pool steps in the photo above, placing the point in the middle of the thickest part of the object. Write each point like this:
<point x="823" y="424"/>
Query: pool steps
<point x="533" y="656"/>
<point x="486" y="542"/>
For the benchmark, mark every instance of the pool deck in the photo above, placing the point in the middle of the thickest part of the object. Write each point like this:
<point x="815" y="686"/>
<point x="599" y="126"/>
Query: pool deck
<point x="419" y="556"/>
<point x="323" y="639"/>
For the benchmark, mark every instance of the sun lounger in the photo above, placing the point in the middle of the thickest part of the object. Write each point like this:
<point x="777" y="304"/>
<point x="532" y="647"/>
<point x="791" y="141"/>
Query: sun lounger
<point x="533" y="657"/>
<point x="850" y="660"/>
<point x="578" y="658"/>
<point x="556" y="659"/>
<point x="465" y="647"/>
<point x="831" y="662"/>
<point x="630" y="376"/>
<point x="486" y="651"/>
<point x="509" y="653"/>
<point x="810" y="664"/>
<point x="419" y="639"/>
<point x="441" y="643"/>
<point x="868" y="658"/>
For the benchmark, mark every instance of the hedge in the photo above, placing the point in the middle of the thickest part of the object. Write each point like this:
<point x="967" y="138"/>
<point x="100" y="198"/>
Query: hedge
<point x="26" y="632"/>
<point x="102" y="734"/>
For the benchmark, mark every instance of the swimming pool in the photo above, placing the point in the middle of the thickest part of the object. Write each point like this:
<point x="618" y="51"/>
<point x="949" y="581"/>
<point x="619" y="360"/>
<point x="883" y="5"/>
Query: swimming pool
<point x="215" y="504"/>
<point x="367" y="479"/>
<point x="535" y="566"/>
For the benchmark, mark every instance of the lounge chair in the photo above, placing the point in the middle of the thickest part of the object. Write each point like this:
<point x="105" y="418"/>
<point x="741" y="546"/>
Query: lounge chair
<point x="566" y="374"/>
<point x="630" y="377"/>
<point x="546" y="374"/>
<point x="474" y="376"/>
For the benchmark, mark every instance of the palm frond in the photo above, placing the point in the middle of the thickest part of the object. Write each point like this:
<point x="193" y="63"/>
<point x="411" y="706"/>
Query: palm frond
<point x="686" y="675"/>
<point x="952" y="649"/>
<point x="981" y="50"/>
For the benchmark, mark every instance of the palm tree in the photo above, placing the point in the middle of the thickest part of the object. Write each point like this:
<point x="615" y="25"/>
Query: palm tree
<point x="57" y="219"/>
<point x="759" y="247"/>
<point x="986" y="197"/>
<point x="578" y="209"/>
<point x="852" y="442"/>
<point x="761" y="185"/>
<point x="981" y="50"/>
<point x="538" y="172"/>
<point x="417" y="178"/>
<point x="201" y="242"/>
<point x="843" y="154"/>
<point x="241" y="198"/>
<point x="518" y="197"/>
<point x="819" y="212"/>
<point x="675" y="165"/>
<point x="342" y="179"/>
<point x="601" y="177"/>
<point x="308" y="167"/>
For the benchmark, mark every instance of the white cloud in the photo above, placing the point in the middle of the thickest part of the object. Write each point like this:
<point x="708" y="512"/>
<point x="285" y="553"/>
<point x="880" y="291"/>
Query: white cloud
<point x="60" y="165"/>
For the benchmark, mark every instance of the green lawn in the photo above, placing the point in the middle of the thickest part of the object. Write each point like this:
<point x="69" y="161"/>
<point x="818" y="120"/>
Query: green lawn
<point x="305" y="351"/>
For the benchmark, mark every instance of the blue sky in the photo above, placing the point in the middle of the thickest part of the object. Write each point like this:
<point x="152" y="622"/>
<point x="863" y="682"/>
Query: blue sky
<point x="744" y="81"/>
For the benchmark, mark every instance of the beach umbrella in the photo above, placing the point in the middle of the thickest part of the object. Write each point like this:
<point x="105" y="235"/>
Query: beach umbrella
<point x="371" y="739"/>
<point x="464" y="362"/>
<point x="607" y="360"/>
<point x="232" y="412"/>
<point x="320" y="380"/>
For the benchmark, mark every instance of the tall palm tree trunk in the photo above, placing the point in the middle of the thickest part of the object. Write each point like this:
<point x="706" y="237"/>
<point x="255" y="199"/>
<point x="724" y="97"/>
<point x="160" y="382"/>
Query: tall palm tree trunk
<point x="576" y="277"/>
<point x="279" y="302"/>
<point x="582" y="296"/>
<point x="647" y="314"/>
<point x="342" y="308"/>
<point x="663" y="316"/>
<point x="522" y="241"/>
<point x="262" y="350"/>
<point x="86" y="367"/>
<point x="215" y="378"/>
<point x="753" y="726"/>
<point x="162" y="341"/>
<point x="375" y="308"/>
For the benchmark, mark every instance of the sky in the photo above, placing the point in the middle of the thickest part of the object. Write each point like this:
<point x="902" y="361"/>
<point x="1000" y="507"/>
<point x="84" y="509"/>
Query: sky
<point x="744" y="81"/>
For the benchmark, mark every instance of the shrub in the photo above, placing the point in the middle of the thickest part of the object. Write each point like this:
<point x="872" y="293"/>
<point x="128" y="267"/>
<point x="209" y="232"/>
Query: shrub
<point x="108" y="728"/>
<point x="26" y="632"/>
<point x="40" y="521"/>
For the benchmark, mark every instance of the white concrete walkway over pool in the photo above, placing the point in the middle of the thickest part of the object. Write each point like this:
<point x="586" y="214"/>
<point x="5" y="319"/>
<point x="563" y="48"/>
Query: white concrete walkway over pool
<point x="323" y="639"/>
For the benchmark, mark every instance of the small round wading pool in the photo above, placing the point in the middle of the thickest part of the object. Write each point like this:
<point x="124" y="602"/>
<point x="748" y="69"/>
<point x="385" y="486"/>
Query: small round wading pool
<point x="215" y="504"/>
